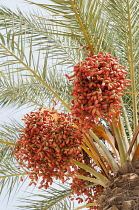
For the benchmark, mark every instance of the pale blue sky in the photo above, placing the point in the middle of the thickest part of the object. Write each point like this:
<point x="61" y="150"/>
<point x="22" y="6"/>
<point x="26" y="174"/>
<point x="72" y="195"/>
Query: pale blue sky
<point x="13" y="3"/>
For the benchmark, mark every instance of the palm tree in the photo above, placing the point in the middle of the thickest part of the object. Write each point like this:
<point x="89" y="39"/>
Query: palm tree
<point x="37" y="50"/>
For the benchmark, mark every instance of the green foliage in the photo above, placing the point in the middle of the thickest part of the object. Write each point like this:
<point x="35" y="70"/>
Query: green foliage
<point x="53" y="199"/>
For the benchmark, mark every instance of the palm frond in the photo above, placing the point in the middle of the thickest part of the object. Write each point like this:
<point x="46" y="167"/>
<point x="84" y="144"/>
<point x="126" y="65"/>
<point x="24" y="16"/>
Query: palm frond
<point x="83" y="18"/>
<point x="24" y="77"/>
<point x="86" y="206"/>
<point x="10" y="176"/>
<point x="54" y="198"/>
<point x="100" y="178"/>
<point x="42" y="34"/>
<point x="124" y="40"/>
<point x="31" y="92"/>
<point x="11" y="172"/>
<point x="8" y="133"/>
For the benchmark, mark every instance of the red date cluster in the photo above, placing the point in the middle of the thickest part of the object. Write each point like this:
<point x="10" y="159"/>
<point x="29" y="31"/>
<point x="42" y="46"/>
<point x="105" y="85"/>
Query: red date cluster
<point x="99" y="81"/>
<point x="47" y="145"/>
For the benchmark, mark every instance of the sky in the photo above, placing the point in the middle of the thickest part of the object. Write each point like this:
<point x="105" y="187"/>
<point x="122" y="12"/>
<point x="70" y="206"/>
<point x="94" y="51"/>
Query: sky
<point x="20" y="3"/>
<point x="12" y="4"/>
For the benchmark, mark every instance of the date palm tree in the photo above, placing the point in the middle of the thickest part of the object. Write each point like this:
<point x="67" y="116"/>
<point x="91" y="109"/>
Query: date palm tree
<point x="37" y="51"/>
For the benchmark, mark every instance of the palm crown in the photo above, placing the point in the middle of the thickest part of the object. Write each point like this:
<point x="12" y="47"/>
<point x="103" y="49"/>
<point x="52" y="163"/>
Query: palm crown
<point x="37" y="51"/>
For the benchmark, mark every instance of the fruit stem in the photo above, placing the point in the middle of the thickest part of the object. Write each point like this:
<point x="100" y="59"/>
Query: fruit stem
<point x="82" y="26"/>
<point x="21" y="174"/>
<point x="10" y="143"/>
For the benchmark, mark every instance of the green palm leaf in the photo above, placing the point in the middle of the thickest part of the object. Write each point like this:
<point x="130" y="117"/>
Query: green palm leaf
<point x="124" y="41"/>
<point x="53" y="199"/>
<point x="77" y="19"/>
<point x="9" y="168"/>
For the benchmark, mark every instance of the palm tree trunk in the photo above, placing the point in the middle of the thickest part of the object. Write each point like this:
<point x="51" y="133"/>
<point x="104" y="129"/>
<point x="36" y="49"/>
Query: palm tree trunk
<point x="122" y="192"/>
